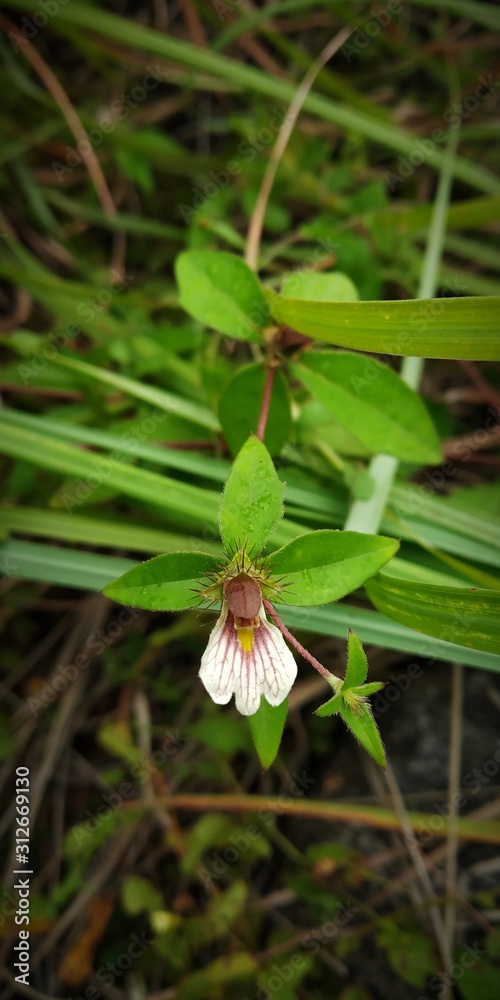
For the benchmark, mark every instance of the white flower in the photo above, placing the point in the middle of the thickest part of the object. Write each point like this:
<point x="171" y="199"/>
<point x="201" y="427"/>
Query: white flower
<point x="247" y="661"/>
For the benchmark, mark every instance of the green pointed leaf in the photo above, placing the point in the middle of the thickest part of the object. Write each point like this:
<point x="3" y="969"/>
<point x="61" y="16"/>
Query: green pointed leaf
<point x="357" y="664"/>
<point x="116" y="738"/>
<point x="252" y="502"/>
<point x="323" y="566"/>
<point x="266" y="727"/>
<point x="139" y="895"/>
<point x="364" y="728"/>
<point x="330" y="707"/>
<point x="366" y="689"/>
<point x="372" y="403"/>
<point x="166" y="583"/>
<point x="240" y="406"/>
<point x="466" y="616"/>
<point x="465" y="327"/>
<point x="325" y="287"/>
<point x="221" y="291"/>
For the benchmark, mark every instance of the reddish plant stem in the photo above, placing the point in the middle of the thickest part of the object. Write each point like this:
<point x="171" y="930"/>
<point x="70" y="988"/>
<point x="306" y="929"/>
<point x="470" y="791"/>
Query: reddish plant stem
<point x="186" y="445"/>
<point x="298" y="645"/>
<point x="266" y="400"/>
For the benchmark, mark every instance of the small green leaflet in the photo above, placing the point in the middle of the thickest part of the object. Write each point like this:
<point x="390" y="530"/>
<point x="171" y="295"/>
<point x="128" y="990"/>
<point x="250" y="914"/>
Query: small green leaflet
<point x="266" y="727"/>
<point x="357" y="663"/>
<point x="349" y="701"/>
<point x="314" y="286"/>
<point x="221" y="291"/>
<point x="252" y="502"/>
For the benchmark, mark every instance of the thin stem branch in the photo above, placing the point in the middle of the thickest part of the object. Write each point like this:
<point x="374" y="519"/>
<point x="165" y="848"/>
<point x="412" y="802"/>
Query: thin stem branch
<point x="290" y="120"/>
<point x="266" y="402"/>
<point x="490" y="395"/>
<point x="74" y="124"/>
<point x="376" y="816"/>
<point x="457" y="694"/>
<point x="331" y="678"/>
<point x="417" y="858"/>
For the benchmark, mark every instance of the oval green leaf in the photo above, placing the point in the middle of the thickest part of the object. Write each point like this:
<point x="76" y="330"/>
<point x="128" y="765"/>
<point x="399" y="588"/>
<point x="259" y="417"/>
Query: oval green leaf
<point x="464" y="327"/>
<point x="372" y="402"/>
<point x="468" y="617"/>
<point x="221" y="291"/>
<point x="266" y="726"/>
<point x="167" y="583"/>
<point x="252" y="502"/>
<point x="323" y="566"/>
<point x="240" y="406"/>
<point x="325" y="287"/>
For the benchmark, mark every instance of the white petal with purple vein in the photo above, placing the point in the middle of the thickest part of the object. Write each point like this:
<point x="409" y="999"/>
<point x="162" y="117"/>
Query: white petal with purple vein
<point x="269" y="669"/>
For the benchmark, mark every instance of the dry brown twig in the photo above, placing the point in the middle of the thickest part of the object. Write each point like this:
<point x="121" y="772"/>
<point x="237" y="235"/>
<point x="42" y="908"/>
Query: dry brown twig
<point x="257" y="220"/>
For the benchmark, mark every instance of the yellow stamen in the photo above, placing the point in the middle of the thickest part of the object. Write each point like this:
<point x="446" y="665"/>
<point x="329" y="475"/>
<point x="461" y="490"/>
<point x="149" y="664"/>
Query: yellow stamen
<point x="245" y="635"/>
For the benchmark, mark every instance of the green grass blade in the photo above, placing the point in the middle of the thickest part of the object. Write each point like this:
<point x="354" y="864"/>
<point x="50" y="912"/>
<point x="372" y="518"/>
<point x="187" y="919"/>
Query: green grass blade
<point x="459" y="532"/>
<point x="91" y="571"/>
<point x="465" y="328"/>
<point x="160" y="398"/>
<point x="97" y="531"/>
<point x="137" y="36"/>
<point x="374" y="628"/>
<point x="61" y="566"/>
<point x="214" y="469"/>
<point x="481" y="13"/>
<point x="169" y="494"/>
<point x="407" y="499"/>
<point x="469" y="617"/>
